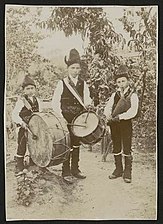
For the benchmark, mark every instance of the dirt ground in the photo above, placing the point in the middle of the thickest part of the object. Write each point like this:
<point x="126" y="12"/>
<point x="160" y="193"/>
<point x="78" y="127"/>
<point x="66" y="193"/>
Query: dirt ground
<point x="95" y="197"/>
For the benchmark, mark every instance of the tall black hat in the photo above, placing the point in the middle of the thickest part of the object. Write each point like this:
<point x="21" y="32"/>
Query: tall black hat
<point x="74" y="57"/>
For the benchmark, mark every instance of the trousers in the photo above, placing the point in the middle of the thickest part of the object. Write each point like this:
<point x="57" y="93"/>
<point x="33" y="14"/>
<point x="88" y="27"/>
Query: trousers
<point x="71" y="164"/>
<point x="121" y="134"/>
<point x="22" y="142"/>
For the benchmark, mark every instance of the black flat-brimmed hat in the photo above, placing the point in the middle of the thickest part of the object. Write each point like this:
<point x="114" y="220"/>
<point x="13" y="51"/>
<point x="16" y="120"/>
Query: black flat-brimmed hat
<point x="74" y="57"/>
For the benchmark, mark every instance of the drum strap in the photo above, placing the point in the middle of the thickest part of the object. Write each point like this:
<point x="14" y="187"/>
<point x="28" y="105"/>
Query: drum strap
<point x="74" y="92"/>
<point x="27" y="104"/>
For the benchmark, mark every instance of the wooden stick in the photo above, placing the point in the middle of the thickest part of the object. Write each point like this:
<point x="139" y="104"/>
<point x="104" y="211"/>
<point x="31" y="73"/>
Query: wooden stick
<point x="78" y="125"/>
<point x="87" y="117"/>
<point x="33" y="135"/>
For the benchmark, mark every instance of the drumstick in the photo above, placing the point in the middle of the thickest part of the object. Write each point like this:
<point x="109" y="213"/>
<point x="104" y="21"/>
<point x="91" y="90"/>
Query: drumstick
<point x="87" y="116"/>
<point x="79" y="125"/>
<point x="33" y="135"/>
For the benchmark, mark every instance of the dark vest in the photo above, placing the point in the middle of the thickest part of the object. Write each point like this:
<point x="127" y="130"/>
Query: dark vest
<point x="117" y="98"/>
<point x="25" y="114"/>
<point x="70" y="106"/>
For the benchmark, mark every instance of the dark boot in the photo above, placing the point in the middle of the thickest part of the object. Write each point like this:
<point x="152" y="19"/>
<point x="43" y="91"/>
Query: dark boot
<point x="66" y="168"/>
<point x="75" y="164"/>
<point x="128" y="169"/>
<point x="66" y="174"/>
<point x="19" y="165"/>
<point x="119" y="167"/>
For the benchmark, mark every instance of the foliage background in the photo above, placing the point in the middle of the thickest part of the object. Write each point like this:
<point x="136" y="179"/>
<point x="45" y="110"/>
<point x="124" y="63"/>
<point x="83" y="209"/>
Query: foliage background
<point x="103" y="50"/>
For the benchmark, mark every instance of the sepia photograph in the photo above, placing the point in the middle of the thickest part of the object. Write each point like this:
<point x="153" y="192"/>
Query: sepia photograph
<point x="80" y="112"/>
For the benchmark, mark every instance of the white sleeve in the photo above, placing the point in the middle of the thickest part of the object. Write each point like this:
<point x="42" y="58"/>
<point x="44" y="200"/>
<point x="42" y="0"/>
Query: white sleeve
<point x="40" y="104"/>
<point x="132" y="111"/>
<point x="109" y="106"/>
<point x="56" y="99"/>
<point x="87" y="98"/>
<point x="15" y="113"/>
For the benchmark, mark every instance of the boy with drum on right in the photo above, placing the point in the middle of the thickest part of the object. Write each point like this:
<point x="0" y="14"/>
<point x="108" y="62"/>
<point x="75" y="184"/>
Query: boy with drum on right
<point x="121" y="124"/>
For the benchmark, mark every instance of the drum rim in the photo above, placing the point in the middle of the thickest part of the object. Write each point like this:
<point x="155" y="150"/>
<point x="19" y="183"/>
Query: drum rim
<point x="101" y="127"/>
<point x="95" y="141"/>
<point x="65" y="132"/>
<point x="79" y="115"/>
<point x="37" y="114"/>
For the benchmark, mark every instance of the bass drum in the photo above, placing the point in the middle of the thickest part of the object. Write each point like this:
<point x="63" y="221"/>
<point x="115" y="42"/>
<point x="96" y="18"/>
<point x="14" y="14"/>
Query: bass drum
<point x="52" y="143"/>
<point x="88" y="127"/>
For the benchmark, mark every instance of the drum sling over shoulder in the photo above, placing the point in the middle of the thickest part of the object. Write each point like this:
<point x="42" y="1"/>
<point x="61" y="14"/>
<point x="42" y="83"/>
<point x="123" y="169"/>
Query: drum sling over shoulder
<point x="73" y="90"/>
<point x="87" y="125"/>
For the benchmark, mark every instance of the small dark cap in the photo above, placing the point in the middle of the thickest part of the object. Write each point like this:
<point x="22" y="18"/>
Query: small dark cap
<point x="27" y="81"/>
<point x="122" y="71"/>
<point x="74" y="57"/>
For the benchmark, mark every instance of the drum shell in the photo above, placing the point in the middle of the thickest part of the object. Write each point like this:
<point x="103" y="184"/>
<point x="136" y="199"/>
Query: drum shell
<point x="59" y="154"/>
<point x="96" y="134"/>
<point x="53" y="144"/>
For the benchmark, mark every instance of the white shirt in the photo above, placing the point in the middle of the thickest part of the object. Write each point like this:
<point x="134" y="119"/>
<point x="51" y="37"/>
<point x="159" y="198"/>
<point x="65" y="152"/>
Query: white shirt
<point x="130" y="113"/>
<point x="18" y="107"/>
<point x="56" y="100"/>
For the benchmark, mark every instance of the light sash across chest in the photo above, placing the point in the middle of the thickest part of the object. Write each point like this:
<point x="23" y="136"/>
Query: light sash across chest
<point x="74" y="92"/>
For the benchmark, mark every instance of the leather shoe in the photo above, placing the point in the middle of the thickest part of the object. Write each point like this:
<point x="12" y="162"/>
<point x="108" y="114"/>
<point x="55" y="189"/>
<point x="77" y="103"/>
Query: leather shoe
<point x="127" y="180"/>
<point x="68" y="179"/>
<point x="113" y="176"/>
<point x="79" y="176"/>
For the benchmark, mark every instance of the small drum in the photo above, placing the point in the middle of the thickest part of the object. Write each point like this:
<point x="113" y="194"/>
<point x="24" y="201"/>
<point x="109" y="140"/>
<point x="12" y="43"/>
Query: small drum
<point x="89" y="127"/>
<point x="52" y="143"/>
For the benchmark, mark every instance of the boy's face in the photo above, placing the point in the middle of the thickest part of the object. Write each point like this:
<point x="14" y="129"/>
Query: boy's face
<point x="30" y="90"/>
<point x="122" y="82"/>
<point x="74" y="70"/>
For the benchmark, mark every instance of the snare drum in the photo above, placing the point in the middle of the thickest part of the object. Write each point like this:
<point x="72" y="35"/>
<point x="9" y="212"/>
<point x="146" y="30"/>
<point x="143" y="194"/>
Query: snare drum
<point x="88" y="127"/>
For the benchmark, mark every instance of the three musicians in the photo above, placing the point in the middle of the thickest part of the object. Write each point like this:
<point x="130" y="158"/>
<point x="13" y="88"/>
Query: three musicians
<point x="71" y="97"/>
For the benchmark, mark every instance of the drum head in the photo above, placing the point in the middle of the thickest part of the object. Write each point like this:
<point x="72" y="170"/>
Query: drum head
<point x="88" y="121"/>
<point x="41" y="148"/>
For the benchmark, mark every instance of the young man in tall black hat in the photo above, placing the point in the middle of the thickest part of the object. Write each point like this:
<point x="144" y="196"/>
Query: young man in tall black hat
<point x="70" y="98"/>
<point x="24" y="107"/>
<point x="121" y="125"/>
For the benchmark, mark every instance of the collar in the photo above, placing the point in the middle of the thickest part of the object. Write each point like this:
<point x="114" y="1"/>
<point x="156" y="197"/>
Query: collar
<point x="31" y="98"/>
<point x="125" y="91"/>
<point x="74" y="79"/>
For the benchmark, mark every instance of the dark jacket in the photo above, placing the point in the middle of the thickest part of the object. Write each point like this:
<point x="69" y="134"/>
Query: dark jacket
<point x="69" y="104"/>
